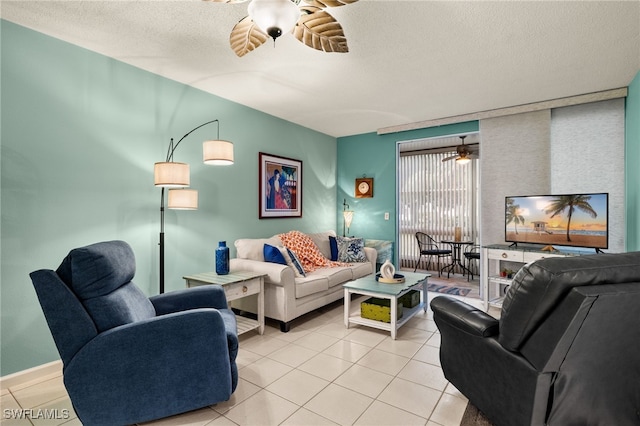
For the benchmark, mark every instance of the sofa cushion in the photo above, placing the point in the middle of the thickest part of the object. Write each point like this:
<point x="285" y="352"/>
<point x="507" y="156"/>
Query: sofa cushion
<point x="252" y="248"/>
<point x="321" y="239"/>
<point x="351" y="249"/>
<point x="273" y="254"/>
<point x="311" y="284"/>
<point x="335" y="276"/>
<point x="360" y="270"/>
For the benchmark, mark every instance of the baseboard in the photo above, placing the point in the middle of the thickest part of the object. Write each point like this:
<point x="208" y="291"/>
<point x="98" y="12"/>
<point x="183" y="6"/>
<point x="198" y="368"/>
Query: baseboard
<point x="25" y="376"/>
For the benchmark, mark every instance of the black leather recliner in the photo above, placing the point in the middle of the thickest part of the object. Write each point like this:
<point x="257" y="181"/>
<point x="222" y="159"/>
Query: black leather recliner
<point x="565" y="351"/>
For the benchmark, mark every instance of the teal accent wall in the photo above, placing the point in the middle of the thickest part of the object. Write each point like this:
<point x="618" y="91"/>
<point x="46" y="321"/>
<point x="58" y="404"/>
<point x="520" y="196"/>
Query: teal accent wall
<point x="374" y="155"/>
<point x="632" y="159"/>
<point x="80" y="134"/>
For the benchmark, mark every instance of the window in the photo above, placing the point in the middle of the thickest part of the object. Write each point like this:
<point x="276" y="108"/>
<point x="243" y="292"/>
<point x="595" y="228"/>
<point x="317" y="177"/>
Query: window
<point x="435" y="197"/>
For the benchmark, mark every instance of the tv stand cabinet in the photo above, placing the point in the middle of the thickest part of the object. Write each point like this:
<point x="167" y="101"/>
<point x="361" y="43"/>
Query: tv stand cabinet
<point x="493" y="287"/>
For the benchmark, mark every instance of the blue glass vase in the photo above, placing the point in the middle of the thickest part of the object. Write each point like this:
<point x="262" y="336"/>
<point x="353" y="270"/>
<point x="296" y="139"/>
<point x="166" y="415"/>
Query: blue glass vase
<point x="222" y="258"/>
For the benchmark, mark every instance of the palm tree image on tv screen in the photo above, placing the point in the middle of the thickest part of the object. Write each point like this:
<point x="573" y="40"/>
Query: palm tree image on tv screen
<point x="579" y="220"/>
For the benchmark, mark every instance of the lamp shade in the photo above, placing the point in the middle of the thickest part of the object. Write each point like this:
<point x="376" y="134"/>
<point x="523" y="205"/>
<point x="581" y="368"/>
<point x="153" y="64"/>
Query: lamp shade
<point x="274" y="17"/>
<point x="183" y="199"/>
<point x="462" y="160"/>
<point x="217" y="153"/>
<point x="171" y="174"/>
<point x="348" y="218"/>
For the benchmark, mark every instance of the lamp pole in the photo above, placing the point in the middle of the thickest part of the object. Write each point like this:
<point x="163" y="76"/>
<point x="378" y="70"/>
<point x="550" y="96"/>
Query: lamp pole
<point x="345" y="206"/>
<point x="161" y="242"/>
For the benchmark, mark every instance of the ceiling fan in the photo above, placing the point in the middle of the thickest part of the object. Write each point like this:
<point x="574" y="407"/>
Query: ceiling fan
<point x="305" y="19"/>
<point x="464" y="153"/>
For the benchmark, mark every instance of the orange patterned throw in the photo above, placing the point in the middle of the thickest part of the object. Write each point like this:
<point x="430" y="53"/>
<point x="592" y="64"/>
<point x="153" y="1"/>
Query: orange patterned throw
<point x="307" y="251"/>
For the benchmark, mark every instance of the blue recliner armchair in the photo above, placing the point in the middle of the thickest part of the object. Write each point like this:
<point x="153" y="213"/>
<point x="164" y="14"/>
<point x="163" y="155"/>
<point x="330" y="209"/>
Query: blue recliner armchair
<point x="128" y="358"/>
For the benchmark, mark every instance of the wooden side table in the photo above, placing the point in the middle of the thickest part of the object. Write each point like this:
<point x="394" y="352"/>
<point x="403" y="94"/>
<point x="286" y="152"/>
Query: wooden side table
<point x="236" y="285"/>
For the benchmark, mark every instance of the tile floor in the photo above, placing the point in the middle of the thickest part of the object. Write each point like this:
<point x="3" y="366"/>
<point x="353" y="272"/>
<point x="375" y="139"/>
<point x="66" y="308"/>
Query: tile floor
<point x="320" y="373"/>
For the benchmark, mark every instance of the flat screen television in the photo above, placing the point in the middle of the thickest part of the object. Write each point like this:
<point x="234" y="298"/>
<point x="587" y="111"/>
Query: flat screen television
<point x="576" y="220"/>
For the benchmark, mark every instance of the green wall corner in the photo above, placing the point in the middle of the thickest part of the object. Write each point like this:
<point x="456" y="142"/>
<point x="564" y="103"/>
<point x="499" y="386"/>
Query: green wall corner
<point x="632" y="159"/>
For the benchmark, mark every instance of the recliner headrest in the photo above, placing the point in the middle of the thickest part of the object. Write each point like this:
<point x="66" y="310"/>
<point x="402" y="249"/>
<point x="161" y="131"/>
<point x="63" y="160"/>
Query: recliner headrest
<point x="98" y="269"/>
<point x="539" y="287"/>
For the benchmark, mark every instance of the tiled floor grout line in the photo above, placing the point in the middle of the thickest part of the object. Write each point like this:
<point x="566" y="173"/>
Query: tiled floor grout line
<point x="442" y="392"/>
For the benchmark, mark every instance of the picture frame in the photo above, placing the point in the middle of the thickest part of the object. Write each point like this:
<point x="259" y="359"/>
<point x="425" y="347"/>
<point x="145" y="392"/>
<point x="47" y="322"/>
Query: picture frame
<point x="279" y="186"/>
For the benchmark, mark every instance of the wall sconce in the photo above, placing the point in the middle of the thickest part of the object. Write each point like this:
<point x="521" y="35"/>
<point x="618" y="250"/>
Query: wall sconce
<point x="347" y="216"/>
<point x="175" y="176"/>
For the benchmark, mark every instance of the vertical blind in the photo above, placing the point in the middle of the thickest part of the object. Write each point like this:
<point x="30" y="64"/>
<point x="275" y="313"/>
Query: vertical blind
<point x="435" y="197"/>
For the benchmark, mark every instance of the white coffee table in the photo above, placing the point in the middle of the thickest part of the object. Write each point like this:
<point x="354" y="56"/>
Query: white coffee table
<point x="368" y="286"/>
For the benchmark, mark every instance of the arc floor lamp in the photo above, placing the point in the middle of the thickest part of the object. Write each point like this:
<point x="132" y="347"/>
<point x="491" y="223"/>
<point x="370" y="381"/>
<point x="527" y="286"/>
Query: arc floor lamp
<point x="175" y="176"/>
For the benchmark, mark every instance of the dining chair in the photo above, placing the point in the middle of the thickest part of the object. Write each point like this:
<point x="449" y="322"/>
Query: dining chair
<point x="429" y="248"/>
<point x="472" y="255"/>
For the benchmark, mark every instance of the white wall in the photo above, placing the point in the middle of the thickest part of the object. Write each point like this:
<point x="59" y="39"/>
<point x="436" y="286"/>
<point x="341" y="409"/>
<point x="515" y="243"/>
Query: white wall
<point x="587" y="155"/>
<point x="514" y="160"/>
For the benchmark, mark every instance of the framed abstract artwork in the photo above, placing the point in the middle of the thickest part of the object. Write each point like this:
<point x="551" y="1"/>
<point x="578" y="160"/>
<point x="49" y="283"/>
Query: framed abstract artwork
<point x="279" y="186"/>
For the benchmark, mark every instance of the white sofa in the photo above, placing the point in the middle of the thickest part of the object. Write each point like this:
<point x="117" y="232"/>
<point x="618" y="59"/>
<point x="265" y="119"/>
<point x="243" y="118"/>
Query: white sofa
<point x="286" y="297"/>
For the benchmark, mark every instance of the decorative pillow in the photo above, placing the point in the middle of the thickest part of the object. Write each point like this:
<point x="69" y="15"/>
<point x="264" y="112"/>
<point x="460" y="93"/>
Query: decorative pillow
<point x="272" y="254"/>
<point x="295" y="263"/>
<point x="351" y="249"/>
<point x="333" y="244"/>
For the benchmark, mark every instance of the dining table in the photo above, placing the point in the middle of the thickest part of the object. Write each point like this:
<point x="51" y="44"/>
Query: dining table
<point x="456" y="257"/>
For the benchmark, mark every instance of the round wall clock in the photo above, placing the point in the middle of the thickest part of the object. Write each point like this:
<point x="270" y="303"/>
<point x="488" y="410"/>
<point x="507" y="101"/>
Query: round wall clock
<point x="364" y="187"/>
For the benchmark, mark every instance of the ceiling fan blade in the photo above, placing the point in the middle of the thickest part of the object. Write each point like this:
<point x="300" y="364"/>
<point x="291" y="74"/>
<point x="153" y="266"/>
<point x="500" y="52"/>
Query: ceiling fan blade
<point x="453" y="157"/>
<point x="319" y="30"/>
<point x="246" y="36"/>
<point x="328" y="3"/>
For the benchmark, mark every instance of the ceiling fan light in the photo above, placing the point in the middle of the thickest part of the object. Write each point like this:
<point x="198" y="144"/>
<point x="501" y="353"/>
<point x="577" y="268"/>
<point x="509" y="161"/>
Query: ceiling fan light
<point x="463" y="160"/>
<point x="274" y="17"/>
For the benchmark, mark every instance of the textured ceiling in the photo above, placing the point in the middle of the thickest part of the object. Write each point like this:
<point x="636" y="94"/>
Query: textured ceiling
<point x="409" y="61"/>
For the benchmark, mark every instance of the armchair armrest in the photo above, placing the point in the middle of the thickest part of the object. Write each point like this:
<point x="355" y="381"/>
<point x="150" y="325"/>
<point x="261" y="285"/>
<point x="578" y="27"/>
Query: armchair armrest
<point x="464" y="317"/>
<point x="208" y="296"/>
